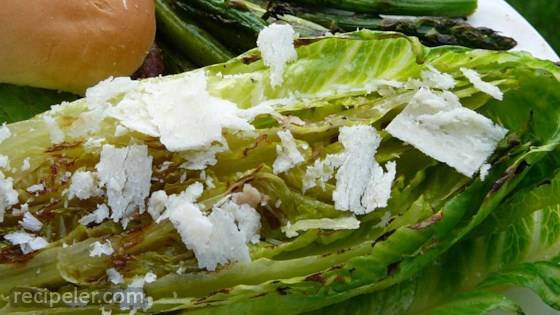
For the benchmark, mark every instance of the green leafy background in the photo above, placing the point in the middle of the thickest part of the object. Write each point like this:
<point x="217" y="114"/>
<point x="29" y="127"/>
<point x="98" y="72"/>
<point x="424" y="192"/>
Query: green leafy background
<point x="543" y="14"/>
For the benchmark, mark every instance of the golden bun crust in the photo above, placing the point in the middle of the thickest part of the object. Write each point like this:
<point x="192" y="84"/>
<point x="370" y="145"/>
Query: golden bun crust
<point x="70" y="45"/>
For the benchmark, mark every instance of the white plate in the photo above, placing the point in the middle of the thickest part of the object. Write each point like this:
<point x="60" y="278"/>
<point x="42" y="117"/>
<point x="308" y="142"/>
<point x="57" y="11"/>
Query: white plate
<point x="500" y="16"/>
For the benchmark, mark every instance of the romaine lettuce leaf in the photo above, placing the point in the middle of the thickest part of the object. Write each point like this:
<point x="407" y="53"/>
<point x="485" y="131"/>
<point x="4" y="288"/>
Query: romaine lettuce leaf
<point x="337" y="81"/>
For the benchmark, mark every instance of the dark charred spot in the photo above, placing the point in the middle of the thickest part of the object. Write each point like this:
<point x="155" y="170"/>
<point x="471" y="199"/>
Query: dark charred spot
<point x="316" y="277"/>
<point x="428" y="222"/>
<point x="351" y="270"/>
<point x="250" y="59"/>
<point x="120" y="260"/>
<point x="393" y="268"/>
<point x="282" y="290"/>
<point x="261" y="138"/>
<point x="509" y="174"/>
<point x="258" y="295"/>
<point x="63" y="146"/>
<point x="271" y="217"/>
<point x="300" y="42"/>
<point x="383" y="237"/>
<point x="13" y="255"/>
<point x="335" y="267"/>
<point x="341" y="251"/>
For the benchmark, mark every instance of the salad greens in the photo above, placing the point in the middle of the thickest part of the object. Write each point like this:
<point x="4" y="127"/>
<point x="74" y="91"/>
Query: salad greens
<point x="444" y="244"/>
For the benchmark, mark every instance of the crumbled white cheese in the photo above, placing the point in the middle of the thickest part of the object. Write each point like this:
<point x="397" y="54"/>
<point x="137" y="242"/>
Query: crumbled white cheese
<point x="114" y="276"/>
<point x="361" y="183"/>
<point x="23" y="209"/>
<point x="88" y="122"/>
<point x="433" y="78"/>
<point x="8" y="195"/>
<point x="484" y="170"/>
<point x="215" y="239"/>
<point x="321" y="171"/>
<point x="97" y="216"/>
<point x="4" y="162"/>
<point x="181" y="112"/>
<point x="488" y="88"/>
<point x="92" y="144"/>
<point x="126" y="174"/>
<point x="120" y="131"/>
<point x="35" y="188"/>
<point x="150" y="277"/>
<point x="30" y="222"/>
<point x="248" y="220"/>
<point x="156" y="204"/>
<point x="276" y="44"/>
<point x="190" y="195"/>
<point x="164" y="166"/>
<point x="208" y="180"/>
<point x="5" y="132"/>
<point x="288" y="153"/>
<point x="27" y="242"/>
<point x="199" y="160"/>
<point x="441" y="128"/>
<point x="106" y="90"/>
<point x="55" y="133"/>
<point x="345" y="223"/>
<point x="100" y="249"/>
<point x="83" y="186"/>
<point x="25" y="166"/>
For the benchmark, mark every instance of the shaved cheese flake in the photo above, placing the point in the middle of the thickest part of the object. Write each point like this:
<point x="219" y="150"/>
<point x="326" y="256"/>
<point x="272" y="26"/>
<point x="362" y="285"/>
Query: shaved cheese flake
<point x="218" y="238"/>
<point x="101" y="249"/>
<point x="361" y="183"/>
<point x="248" y="220"/>
<point x="99" y="215"/>
<point x="484" y="170"/>
<point x="180" y="112"/>
<point x="30" y="222"/>
<point x="345" y="223"/>
<point x="55" y="133"/>
<point x="150" y="277"/>
<point x="35" y="188"/>
<point x="488" y="88"/>
<point x="126" y="173"/>
<point x="200" y="159"/>
<point x="288" y="153"/>
<point x="4" y="162"/>
<point x="433" y="78"/>
<point x="156" y="204"/>
<point x="28" y="243"/>
<point x="114" y="276"/>
<point x="321" y="171"/>
<point x="83" y="185"/>
<point x="25" y="166"/>
<point x="5" y="132"/>
<point x="276" y="44"/>
<point x="441" y="128"/>
<point x="109" y="89"/>
<point x="8" y="195"/>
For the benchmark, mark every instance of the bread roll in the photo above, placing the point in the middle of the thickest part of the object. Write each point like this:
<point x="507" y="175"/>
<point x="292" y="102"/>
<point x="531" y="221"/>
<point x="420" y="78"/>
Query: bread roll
<point x="70" y="45"/>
